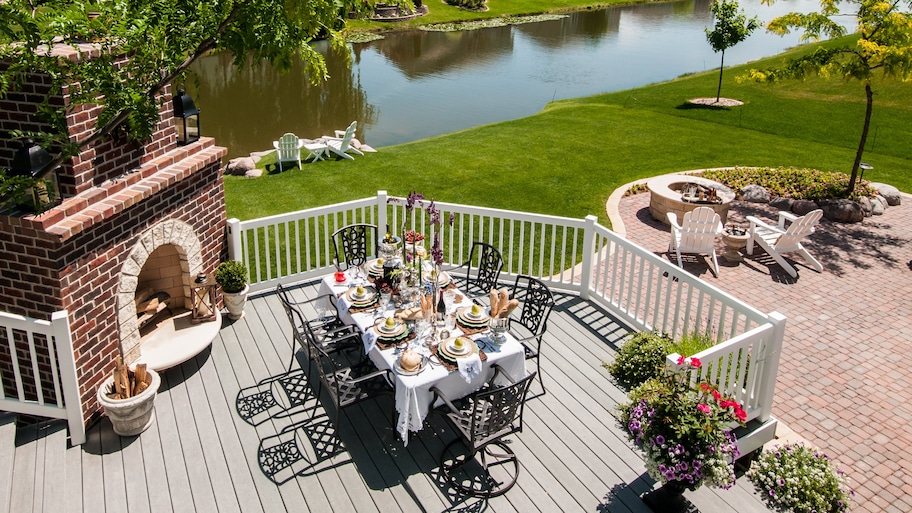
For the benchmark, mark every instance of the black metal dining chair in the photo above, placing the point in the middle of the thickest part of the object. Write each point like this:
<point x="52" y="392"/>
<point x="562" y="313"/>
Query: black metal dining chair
<point x="347" y="385"/>
<point x="482" y="421"/>
<point x="356" y="242"/>
<point x="529" y="328"/>
<point x="330" y="331"/>
<point x="488" y="263"/>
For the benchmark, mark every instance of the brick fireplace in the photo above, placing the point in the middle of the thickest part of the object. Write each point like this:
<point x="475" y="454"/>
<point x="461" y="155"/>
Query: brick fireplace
<point x="134" y="216"/>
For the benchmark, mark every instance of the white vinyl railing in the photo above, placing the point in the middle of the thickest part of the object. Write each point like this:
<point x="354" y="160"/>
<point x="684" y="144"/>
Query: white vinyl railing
<point x="43" y="370"/>
<point x="577" y="255"/>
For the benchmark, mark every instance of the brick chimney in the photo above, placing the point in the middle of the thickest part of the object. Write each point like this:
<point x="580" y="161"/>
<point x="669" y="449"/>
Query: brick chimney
<point x="125" y="204"/>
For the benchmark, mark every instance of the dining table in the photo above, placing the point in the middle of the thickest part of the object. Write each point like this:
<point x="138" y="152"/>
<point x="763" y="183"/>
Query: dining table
<point x="414" y="398"/>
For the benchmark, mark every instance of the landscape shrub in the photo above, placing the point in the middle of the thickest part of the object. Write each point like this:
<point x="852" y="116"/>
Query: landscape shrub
<point x="789" y="182"/>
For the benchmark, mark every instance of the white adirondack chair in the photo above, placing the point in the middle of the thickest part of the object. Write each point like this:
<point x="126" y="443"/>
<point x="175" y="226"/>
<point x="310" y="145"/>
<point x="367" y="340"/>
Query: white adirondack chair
<point x="341" y="143"/>
<point x="777" y="240"/>
<point x="696" y="234"/>
<point x="288" y="149"/>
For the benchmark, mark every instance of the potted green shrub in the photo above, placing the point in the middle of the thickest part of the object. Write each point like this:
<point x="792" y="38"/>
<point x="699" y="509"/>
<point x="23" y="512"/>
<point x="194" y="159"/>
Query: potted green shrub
<point x="232" y="278"/>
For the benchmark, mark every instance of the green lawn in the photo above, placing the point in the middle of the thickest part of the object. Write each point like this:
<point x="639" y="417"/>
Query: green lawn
<point x="441" y="12"/>
<point x="568" y="159"/>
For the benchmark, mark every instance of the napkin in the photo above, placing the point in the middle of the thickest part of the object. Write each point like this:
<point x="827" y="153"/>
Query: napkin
<point x="345" y="301"/>
<point x="370" y="340"/>
<point x="469" y="367"/>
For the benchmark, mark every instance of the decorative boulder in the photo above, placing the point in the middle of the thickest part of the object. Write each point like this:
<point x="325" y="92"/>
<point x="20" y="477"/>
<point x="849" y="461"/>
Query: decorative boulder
<point x="802" y="207"/>
<point x="878" y="205"/>
<point x="782" y="203"/>
<point x="842" y="211"/>
<point x="240" y="166"/>
<point x="866" y="207"/>
<point x="889" y="192"/>
<point x="755" y="194"/>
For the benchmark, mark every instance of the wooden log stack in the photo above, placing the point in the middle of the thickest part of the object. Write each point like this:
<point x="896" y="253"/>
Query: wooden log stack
<point x="128" y="383"/>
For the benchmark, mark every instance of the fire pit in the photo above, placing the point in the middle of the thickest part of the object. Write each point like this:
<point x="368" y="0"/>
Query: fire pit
<point x="683" y="193"/>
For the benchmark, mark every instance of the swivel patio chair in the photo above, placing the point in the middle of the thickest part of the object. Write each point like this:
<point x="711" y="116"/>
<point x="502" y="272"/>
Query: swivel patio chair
<point x="777" y="240"/>
<point x="356" y="242"/>
<point x="537" y="303"/>
<point x="482" y="421"/>
<point x="696" y="234"/>
<point x="341" y="143"/>
<point x="489" y="264"/>
<point x="288" y="149"/>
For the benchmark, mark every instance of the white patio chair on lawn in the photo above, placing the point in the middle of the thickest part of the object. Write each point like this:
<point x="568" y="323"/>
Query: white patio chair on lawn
<point x="696" y="234"/>
<point x="288" y="149"/>
<point x="341" y="143"/>
<point x="777" y="240"/>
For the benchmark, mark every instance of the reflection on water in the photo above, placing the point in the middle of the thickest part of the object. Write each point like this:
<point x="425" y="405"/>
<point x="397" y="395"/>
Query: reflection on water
<point x="416" y="84"/>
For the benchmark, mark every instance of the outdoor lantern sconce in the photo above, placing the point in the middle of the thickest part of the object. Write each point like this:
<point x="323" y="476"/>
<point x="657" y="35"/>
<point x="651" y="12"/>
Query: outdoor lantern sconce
<point x="202" y="293"/>
<point x="186" y="116"/>
<point x="30" y="161"/>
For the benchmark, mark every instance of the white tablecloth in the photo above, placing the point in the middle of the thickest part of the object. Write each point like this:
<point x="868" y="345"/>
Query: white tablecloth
<point x="413" y="393"/>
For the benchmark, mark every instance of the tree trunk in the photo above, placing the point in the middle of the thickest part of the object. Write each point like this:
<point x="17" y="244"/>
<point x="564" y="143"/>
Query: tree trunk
<point x="869" y="95"/>
<point x="721" y="65"/>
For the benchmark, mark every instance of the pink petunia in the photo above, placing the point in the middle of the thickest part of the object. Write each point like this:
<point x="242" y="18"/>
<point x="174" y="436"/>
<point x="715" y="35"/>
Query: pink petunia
<point x="704" y="408"/>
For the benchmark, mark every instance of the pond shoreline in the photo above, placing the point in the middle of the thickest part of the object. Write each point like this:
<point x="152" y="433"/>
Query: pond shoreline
<point x="469" y="18"/>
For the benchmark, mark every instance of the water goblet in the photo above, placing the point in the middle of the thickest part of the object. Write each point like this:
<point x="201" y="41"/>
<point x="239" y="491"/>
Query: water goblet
<point x="385" y="297"/>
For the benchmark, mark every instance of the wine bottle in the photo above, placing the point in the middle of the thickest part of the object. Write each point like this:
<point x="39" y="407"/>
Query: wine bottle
<point x="441" y="307"/>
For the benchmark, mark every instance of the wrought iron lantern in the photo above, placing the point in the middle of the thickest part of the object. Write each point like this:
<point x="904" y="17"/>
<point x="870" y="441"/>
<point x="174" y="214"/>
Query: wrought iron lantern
<point x="31" y="160"/>
<point x="202" y="294"/>
<point x="186" y="117"/>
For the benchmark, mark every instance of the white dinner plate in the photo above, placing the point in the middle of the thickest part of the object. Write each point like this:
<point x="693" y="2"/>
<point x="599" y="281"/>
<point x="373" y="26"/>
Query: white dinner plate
<point x="399" y="370"/>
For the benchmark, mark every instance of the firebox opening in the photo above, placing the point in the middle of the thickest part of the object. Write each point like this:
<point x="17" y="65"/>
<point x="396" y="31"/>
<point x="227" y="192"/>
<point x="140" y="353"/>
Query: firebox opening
<point x="160" y="289"/>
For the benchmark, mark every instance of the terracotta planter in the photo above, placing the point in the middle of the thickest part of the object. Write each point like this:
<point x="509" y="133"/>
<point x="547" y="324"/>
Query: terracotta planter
<point x="132" y="416"/>
<point x="234" y="302"/>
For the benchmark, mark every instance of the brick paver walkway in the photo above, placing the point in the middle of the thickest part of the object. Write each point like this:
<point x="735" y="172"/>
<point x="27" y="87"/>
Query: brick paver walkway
<point x="844" y="381"/>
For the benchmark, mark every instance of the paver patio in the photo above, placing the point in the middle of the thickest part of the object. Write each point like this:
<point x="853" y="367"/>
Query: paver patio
<point x="844" y="379"/>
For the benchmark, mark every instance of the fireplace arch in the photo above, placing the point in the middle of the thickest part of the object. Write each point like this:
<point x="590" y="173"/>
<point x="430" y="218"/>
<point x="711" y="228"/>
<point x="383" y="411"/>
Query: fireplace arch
<point x="189" y="250"/>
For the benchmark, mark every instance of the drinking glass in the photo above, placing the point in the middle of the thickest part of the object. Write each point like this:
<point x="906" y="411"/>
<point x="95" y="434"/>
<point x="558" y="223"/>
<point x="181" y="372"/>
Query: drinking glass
<point x="450" y="322"/>
<point x="384" y="300"/>
<point x="449" y="299"/>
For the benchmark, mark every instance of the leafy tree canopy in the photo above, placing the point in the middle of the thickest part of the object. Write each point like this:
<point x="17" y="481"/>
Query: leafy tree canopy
<point x="883" y="47"/>
<point x="731" y="27"/>
<point x="162" y="38"/>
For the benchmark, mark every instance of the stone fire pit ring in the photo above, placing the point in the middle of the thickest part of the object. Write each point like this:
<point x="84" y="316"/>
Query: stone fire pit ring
<point x="665" y="196"/>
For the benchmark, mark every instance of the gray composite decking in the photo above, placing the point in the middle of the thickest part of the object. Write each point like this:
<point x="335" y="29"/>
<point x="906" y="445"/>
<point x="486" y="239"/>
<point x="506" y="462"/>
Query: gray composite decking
<point x="200" y="456"/>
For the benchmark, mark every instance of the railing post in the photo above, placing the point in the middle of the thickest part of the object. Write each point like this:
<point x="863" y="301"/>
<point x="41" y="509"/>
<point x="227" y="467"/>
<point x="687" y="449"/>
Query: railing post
<point x="63" y="342"/>
<point x="381" y="213"/>
<point x="771" y="368"/>
<point x="234" y="239"/>
<point x="588" y="254"/>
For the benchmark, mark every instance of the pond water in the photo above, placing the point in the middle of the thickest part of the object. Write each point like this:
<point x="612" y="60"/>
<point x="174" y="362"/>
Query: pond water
<point x="416" y="84"/>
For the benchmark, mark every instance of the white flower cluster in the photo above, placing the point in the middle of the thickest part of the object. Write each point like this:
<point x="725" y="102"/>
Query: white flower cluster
<point x="800" y="479"/>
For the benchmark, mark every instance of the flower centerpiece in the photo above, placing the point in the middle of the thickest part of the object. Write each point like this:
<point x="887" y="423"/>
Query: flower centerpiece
<point x="684" y="429"/>
<point x="413" y="251"/>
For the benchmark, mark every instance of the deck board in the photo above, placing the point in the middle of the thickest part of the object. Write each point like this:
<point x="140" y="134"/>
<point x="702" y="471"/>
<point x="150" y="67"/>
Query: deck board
<point x="199" y="455"/>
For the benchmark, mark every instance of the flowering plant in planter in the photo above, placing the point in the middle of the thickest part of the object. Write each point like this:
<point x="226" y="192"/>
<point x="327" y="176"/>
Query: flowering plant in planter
<point x="684" y="429"/>
<point x="797" y="478"/>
